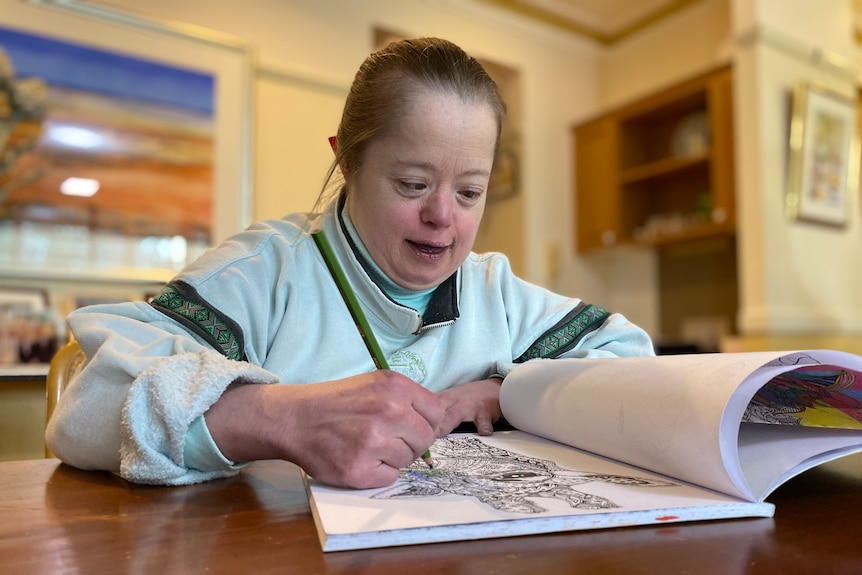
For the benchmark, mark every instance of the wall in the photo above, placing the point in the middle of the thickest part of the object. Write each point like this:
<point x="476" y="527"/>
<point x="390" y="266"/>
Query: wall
<point x="307" y="53"/>
<point x="683" y="45"/>
<point x="22" y="419"/>
<point x="798" y="282"/>
<point x="796" y="278"/>
<point x="690" y="41"/>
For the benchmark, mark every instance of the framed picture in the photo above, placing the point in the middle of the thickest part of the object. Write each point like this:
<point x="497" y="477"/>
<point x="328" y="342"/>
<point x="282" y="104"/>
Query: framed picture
<point x="824" y="156"/>
<point x="155" y="114"/>
<point x="22" y="300"/>
<point x="29" y="330"/>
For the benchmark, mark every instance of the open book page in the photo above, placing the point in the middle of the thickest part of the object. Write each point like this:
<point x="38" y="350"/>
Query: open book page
<point x="772" y="454"/>
<point x="804" y="416"/>
<point x="667" y="413"/>
<point x="511" y="483"/>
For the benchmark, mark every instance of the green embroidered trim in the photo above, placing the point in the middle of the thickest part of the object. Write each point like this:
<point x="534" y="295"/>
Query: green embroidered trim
<point x="566" y="334"/>
<point x="203" y="319"/>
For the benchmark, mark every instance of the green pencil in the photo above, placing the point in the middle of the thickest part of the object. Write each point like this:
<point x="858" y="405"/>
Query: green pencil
<point x="355" y="311"/>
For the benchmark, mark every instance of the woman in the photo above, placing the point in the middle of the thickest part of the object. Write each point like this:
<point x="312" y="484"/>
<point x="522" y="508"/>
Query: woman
<point x="173" y="392"/>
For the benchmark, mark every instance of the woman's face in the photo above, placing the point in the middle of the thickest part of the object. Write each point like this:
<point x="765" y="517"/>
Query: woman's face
<point x="419" y="194"/>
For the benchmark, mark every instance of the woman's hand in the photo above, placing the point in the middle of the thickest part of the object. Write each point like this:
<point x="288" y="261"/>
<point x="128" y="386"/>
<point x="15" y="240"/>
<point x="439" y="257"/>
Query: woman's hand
<point x="354" y="432"/>
<point x="475" y="401"/>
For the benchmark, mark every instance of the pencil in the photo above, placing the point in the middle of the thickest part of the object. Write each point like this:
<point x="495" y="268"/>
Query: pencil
<point x="355" y="311"/>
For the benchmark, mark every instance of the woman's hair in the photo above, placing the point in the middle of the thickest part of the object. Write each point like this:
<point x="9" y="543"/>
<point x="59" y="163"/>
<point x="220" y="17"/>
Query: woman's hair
<point x="382" y="88"/>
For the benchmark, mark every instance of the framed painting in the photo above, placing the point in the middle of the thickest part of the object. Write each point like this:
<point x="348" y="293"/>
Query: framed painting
<point x="824" y="156"/>
<point x="28" y="331"/>
<point x="22" y="299"/>
<point x="125" y="140"/>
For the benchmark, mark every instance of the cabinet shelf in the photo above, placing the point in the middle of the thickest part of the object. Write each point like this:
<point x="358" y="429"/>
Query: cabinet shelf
<point x="663" y="168"/>
<point x="658" y="173"/>
<point x="668" y="155"/>
<point x="695" y="232"/>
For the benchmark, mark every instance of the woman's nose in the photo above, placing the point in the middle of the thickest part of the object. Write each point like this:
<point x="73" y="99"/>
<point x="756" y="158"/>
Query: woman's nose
<point x="437" y="208"/>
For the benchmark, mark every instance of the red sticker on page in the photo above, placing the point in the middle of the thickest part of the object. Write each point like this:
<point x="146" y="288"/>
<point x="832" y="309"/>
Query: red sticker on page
<point x="666" y="518"/>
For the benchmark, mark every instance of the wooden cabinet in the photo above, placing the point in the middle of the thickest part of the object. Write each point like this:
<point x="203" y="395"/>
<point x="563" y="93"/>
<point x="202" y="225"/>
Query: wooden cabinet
<point x="660" y="170"/>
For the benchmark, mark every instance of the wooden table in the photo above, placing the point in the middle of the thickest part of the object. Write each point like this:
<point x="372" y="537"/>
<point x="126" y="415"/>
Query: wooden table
<point x="56" y="519"/>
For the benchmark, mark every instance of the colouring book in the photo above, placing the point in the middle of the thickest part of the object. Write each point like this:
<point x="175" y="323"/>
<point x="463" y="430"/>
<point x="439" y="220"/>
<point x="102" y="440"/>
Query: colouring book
<point x="615" y="442"/>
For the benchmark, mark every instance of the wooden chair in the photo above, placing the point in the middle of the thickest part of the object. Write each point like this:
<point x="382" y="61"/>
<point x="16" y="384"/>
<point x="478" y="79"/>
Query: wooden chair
<point x="64" y="365"/>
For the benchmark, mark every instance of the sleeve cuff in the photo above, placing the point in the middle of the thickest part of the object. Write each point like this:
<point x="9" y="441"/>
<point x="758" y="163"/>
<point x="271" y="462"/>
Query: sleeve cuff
<point x="200" y="451"/>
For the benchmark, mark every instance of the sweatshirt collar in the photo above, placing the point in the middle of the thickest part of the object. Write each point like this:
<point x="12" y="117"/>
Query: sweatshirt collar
<point x="443" y="307"/>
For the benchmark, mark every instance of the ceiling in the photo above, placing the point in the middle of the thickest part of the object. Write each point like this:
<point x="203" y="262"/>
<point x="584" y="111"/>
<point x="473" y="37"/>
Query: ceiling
<point x="605" y="21"/>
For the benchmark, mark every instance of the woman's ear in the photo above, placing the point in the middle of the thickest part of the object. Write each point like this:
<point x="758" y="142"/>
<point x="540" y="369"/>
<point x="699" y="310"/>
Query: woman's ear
<point x="333" y="143"/>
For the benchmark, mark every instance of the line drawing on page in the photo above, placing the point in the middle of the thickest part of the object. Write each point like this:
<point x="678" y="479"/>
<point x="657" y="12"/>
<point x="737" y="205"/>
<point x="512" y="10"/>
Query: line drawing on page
<point x="504" y="479"/>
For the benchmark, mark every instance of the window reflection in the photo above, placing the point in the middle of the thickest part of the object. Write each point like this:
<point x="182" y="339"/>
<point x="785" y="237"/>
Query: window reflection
<point x="105" y="159"/>
<point x="76" y="247"/>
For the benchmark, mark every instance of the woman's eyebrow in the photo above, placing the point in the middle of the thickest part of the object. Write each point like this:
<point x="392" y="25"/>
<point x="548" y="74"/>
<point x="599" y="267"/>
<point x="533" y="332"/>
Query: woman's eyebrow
<point x="414" y="164"/>
<point x="428" y="166"/>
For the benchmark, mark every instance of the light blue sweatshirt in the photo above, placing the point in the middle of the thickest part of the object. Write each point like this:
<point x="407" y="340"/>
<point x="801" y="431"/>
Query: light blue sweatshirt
<point x="263" y="308"/>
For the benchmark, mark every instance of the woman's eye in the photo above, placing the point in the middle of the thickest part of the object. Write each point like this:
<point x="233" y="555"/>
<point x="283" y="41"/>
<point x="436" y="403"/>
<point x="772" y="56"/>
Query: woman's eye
<point x="471" y="195"/>
<point x="413" y="186"/>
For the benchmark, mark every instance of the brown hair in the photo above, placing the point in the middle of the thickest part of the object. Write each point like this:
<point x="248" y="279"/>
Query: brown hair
<point x="381" y="89"/>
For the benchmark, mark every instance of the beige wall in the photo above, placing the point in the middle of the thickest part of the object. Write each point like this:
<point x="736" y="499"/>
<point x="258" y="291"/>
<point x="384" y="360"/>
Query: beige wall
<point x="677" y="47"/>
<point x="796" y="277"/>
<point x="308" y="51"/>
<point x="22" y="420"/>
<point x="690" y="41"/>
<point x="306" y="55"/>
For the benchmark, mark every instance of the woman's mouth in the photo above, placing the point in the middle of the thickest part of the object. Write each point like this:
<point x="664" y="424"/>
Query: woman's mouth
<point x="429" y="250"/>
